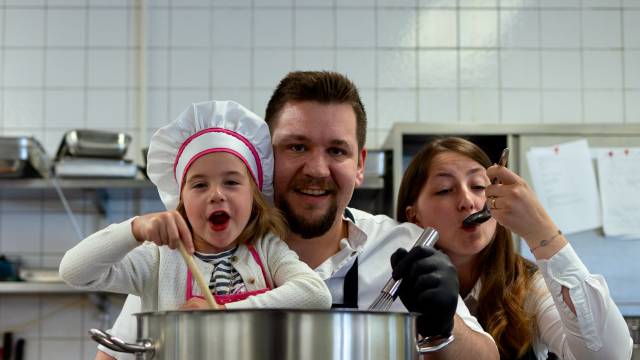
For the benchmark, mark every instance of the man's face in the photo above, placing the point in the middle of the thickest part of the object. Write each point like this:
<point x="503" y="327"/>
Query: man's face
<point x="317" y="164"/>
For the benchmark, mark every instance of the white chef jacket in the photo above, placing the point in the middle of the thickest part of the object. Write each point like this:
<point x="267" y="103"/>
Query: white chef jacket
<point x="372" y="239"/>
<point x="597" y="331"/>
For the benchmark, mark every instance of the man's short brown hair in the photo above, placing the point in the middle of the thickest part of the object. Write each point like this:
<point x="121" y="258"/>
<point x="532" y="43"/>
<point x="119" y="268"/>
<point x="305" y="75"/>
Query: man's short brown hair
<point x="325" y="87"/>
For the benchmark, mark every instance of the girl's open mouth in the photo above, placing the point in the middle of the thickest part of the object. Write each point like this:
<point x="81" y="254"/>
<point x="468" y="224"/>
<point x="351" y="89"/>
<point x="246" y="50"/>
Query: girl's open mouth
<point x="219" y="220"/>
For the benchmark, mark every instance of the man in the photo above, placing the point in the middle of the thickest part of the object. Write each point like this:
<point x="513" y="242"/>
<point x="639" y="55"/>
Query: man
<point x="318" y="126"/>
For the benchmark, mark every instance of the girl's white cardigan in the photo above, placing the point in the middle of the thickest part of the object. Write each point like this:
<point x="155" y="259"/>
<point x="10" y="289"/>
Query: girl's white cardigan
<point x="112" y="260"/>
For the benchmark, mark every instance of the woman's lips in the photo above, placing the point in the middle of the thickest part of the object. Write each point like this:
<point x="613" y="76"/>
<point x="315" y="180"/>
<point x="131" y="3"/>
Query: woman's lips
<point x="469" y="229"/>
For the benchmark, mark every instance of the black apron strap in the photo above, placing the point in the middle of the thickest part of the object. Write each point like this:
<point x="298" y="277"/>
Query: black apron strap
<point x="349" y="289"/>
<point x="349" y="215"/>
<point x="350" y="285"/>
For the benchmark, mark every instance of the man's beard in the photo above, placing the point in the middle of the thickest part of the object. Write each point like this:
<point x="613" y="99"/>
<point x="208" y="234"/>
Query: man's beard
<point x="304" y="227"/>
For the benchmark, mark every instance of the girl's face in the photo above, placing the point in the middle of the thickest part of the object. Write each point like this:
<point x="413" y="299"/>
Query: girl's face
<point x="453" y="191"/>
<point x="217" y="197"/>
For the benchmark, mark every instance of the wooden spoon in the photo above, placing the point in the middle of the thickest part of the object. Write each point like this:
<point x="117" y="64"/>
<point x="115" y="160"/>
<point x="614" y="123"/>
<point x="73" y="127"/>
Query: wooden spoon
<point x="204" y="287"/>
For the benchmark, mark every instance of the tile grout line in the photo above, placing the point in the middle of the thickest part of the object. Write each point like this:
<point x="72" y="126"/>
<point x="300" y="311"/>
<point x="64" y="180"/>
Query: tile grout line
<point x="623" y="67"/>
<point x="582" y="72"/>
<point x="540" y="69"/>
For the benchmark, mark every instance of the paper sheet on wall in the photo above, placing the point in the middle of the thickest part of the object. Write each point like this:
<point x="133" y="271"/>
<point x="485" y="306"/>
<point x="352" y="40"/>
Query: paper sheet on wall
<point x="619" y="179"/>
<point x="565" y="182"/>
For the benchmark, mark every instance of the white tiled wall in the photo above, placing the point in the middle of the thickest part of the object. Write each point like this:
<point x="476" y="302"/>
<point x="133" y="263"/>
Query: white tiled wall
<point x="68" y="64"/>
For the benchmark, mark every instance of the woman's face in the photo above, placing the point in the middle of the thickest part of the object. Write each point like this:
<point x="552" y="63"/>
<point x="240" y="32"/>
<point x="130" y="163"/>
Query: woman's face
<point x="453" y="191"/>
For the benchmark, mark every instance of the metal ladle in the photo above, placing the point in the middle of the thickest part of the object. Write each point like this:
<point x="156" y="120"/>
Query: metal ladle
<point x="484" y="214"/>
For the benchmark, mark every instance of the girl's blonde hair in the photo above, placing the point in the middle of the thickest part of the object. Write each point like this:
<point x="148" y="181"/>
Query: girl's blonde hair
<point x="505" y="275"/>
<point x="264" y="218"/>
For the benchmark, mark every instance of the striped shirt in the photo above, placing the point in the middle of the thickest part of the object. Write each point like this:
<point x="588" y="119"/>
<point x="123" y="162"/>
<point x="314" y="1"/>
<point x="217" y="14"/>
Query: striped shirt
<point x="225" y="279"/>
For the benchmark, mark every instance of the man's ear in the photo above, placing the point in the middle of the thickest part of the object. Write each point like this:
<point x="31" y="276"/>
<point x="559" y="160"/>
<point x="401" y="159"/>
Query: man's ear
<point x="362" y="156"/>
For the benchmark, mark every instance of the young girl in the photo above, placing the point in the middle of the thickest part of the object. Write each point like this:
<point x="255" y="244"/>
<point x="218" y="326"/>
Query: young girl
<point x="214" y="166"/>
<point x="556" y="306"/>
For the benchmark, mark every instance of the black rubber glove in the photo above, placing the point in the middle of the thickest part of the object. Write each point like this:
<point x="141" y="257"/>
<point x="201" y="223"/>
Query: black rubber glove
<point x="429" y="287"/>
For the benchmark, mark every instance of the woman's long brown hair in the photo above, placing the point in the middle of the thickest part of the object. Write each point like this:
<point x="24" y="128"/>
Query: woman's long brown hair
<point x="506" y="276"/>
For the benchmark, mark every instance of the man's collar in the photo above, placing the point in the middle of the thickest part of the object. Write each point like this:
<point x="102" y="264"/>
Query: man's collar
<point x="356" y="237"/>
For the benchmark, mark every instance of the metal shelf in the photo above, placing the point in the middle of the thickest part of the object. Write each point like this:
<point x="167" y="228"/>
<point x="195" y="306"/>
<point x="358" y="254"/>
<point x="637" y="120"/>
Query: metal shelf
<point x="21" y="287"/>
<point x="88" y="183"/>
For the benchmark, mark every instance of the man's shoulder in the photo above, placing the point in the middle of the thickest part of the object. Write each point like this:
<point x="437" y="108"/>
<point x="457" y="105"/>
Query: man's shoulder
<point x="363" y="217"/>
<point x="381" y="228"/>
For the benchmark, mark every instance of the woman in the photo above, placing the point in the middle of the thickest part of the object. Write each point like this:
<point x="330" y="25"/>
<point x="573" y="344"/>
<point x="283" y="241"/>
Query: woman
<point x="556" y="306"/>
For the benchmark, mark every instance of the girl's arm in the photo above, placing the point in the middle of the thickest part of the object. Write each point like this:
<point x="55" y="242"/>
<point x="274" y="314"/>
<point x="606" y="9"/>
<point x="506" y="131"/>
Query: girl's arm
<point x="296" y="284"/>
<point x="109" y="260"/>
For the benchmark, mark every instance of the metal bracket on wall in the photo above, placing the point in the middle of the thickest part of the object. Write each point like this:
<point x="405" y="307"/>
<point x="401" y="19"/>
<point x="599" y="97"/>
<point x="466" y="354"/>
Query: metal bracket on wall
<point x="103" y="305"/>
<point x="100" y="199"/>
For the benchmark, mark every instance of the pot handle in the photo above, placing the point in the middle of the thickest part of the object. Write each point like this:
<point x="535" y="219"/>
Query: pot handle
<point x="116" y="344"/>
<point x="433" y="343"/>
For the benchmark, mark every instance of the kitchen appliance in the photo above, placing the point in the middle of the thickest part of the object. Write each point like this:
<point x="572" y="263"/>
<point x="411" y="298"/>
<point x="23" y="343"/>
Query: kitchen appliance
<point x="19" y="350"/>
<point x="95" y="167"/>
<point x="375" y="194"/>
<point x="22" y="156"/>
<point x="94" y="143"/>
<point x="40" y="275"/>
<point x="7" y="345"/>
<point x="634" y="329"/>
<point x="94" y="153"/>
<point x="9" y="269"/>
<point x="270" y="334"/>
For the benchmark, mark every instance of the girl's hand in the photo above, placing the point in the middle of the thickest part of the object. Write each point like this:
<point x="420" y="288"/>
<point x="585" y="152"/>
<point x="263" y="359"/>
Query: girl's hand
<point x="196" y="303"/>
<point x="515" y="206"/>
<point x="163" y="228"/>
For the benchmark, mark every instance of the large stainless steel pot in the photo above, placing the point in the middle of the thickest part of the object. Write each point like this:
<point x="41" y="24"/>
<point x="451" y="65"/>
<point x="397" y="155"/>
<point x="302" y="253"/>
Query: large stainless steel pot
<point x="272" y="334"/>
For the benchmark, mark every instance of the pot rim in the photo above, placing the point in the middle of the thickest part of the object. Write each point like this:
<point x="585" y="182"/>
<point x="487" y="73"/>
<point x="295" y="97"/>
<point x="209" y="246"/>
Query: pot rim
<point x="274" y="310"/>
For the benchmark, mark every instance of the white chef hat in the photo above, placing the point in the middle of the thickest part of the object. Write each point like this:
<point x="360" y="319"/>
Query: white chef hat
<point x="204" y="128"/>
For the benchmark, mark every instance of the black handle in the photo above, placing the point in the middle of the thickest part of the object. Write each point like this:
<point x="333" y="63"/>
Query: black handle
<point x="19" y="350"/>
<point x="7" y="343"/>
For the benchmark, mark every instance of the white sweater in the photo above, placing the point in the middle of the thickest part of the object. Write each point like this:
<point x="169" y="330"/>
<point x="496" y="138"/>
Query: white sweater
<point x="112" y="260"/>
<point x="596" y="332"/>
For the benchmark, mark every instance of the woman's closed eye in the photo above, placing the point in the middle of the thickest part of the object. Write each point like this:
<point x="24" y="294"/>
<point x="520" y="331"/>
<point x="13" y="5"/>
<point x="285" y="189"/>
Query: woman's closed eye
<point x="443" y="191"/>
<point x="476" y="188"/>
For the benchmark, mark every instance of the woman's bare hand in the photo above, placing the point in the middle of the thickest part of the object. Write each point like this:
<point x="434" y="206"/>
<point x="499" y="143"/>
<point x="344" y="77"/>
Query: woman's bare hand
<point x="515" y="206"/>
